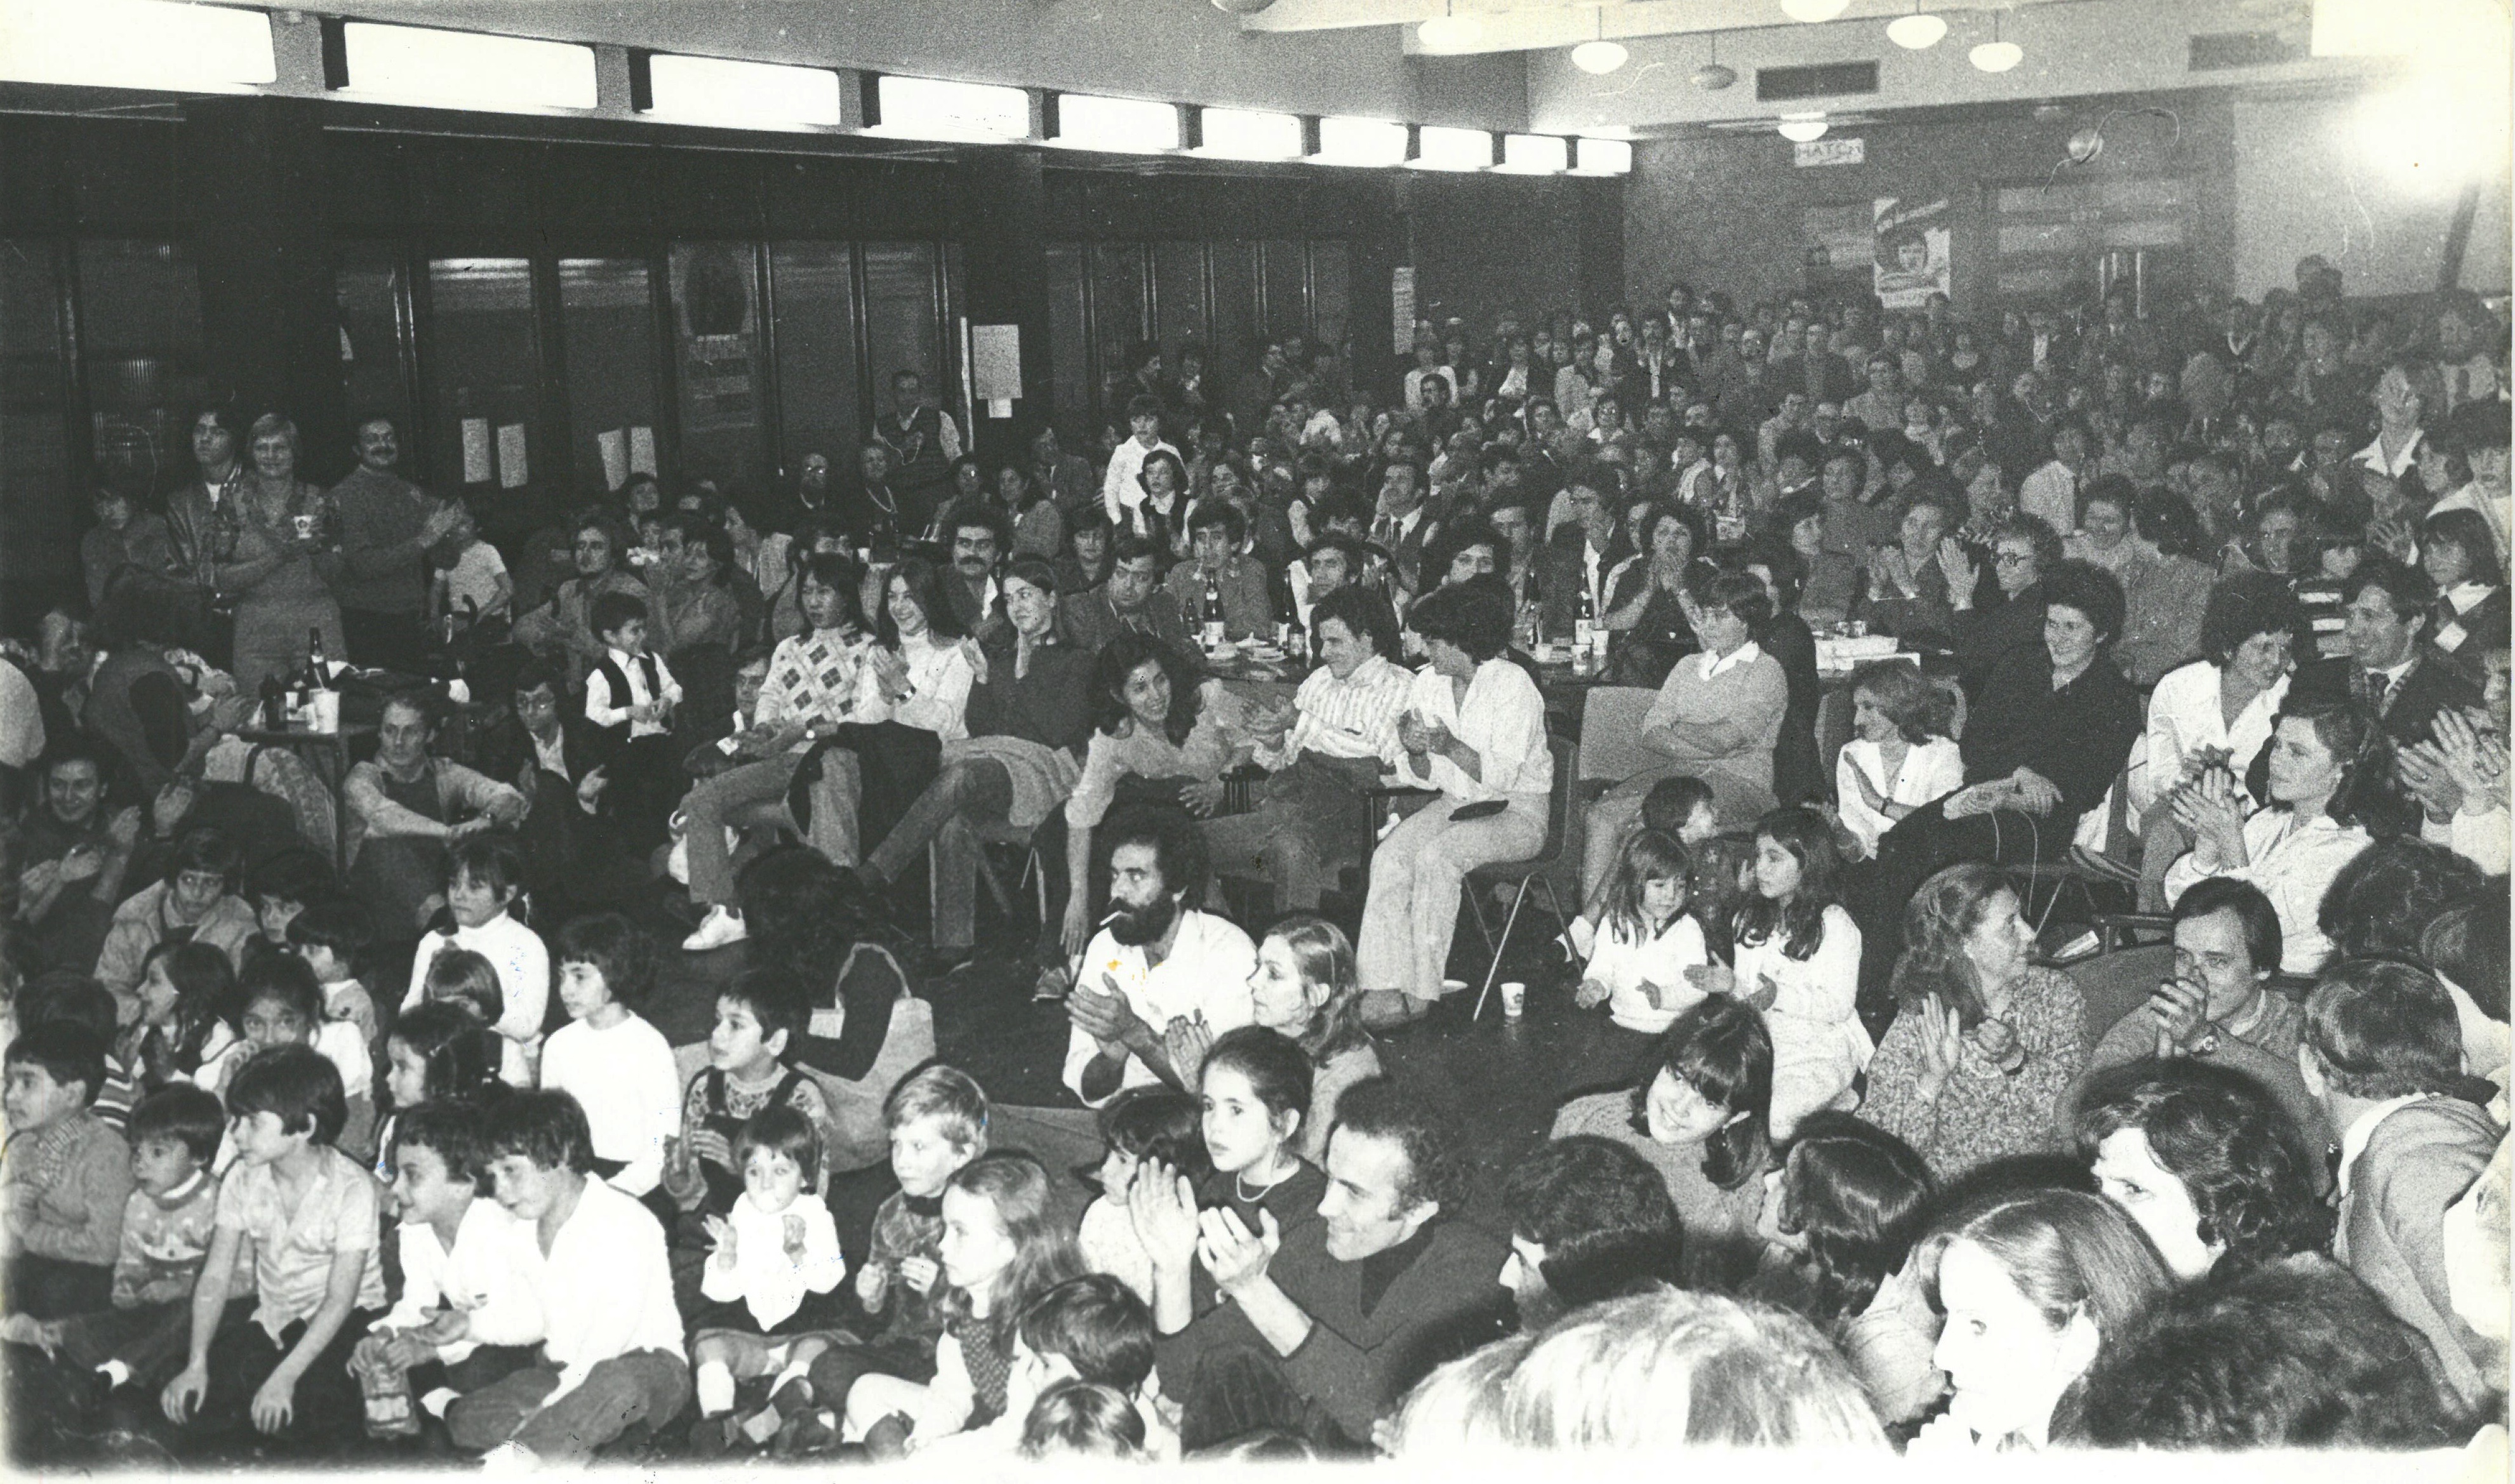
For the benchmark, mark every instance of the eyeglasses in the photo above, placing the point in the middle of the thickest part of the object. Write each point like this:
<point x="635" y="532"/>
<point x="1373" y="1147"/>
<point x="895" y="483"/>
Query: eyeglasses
<point x="2012" y="559"/>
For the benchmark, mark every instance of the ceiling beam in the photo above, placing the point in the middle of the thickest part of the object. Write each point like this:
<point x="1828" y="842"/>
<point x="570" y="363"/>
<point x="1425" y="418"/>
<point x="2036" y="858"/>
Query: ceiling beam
<point x="1522" y="25"/>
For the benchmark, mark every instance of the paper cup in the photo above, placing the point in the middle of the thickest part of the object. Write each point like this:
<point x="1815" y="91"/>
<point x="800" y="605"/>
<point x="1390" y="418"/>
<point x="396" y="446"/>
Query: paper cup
<point x="1514" y="1000"/>
<point x="324" y="711"/>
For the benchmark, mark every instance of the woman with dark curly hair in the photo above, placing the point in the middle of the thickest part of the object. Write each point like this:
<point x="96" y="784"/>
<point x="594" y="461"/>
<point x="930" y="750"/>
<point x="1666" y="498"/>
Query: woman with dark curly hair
<point x="2206" y="1162"/>
<point x="2331" y="779"/>
<point x="1986" y="1040"/>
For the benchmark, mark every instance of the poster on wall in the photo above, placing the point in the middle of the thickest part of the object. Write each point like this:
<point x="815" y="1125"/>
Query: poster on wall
<point x="711" y="293"/>
<point x="1911" y="253"/>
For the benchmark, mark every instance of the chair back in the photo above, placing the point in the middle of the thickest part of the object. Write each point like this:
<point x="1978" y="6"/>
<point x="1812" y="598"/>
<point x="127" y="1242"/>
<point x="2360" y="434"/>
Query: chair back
<point x="1559" y="798"/>
<point x="1611" y="732"/>
<point x="2116" y="984"/>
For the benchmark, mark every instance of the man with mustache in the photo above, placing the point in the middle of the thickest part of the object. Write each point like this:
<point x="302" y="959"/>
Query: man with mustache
<point x="1160" y="979"/>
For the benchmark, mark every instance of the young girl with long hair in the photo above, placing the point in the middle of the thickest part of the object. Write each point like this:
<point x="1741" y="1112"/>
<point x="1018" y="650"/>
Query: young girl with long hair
<point x="1798" y="963"/>
<point x="1841" y="1219"/>
<point x="1647" y="943"/>
<point x="1698" y="1113"/>
<point x="438" y="1051"/>
<point x="187" y="1013"/>
<point x="1004" y="1246"/>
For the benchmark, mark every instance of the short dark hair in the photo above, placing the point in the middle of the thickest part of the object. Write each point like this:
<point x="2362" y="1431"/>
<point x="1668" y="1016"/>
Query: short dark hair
<point x="1160" y="1123"/>
<point x="2036" y="533"/>
<point x="2466" y="945"/>
<point x="1083" y="1419"/>
<point x="1274" y="1064"/>
<point x="537" y="672"/>
<point x="776" y="999"/>
<point x="450" y="1126"/>
<point x="2214" y="894"/>
<point x="78" y="998"/>
<point x="1377" y="1107"/>
<point x="2240" y="1155"/>
<point x="2298" y="1354"/>
<point x="2406" y="587"/>
<point x="297" y="875"/>
<point x="460" y="1054"/>
<point x="190" y="1115"/>
<point x="1735" y="594"/>
<point x="1177" y="846"/>
<point x="204" y="847"/>
<point x="1601" y="1212"/>
<point x="1475" y="615"/>
<point x="1366" y="615"/>
<point x="493" y="858"/>
<point x="782" y="1129"/>
<point x="544" y="1127"/>
<point x="286" y="979"/>
<point x="2093" y="591"/>
<point x="296" y="1084"/>
<point x="66" y="1051"/>
<point x="1128" y="545"/>
<point x="623" y="952"/>
<point x="2383" y="898"/>
<point x="2384" y="1028"/>
<point x="2242" y="606"/>
<point x="1099" y="1325"/>
<point x="1211" y="514"/>
<point x="337" y="923"/>
<point x="612" y="612"/>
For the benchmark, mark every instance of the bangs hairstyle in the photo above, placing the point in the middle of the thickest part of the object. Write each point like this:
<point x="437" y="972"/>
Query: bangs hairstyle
<point x="1157" y="1123"/>
<point x="1648" y="856"/>
<point x="459" y="1054"/>
<point x="451" y="1127"/>
<point x="2241" y="606"/>
<point x="1082" y="1419"/>
<point x="297" y="1084"/>
<point x="1800" y="922"/>
<point x="781" y="1129"/>
<point x="1117" y="663"/>
<point x="283" y="979"/>
<point x="1099" y="1325"/>
<point x="946" y="1094"/>
<point x="460" y="976"/>
<point x="777" y="1000"/>
<point x="2384" y="1028"/>
<point x="1365" y="614"/>
<point x="66" y="1051"/>
<point x="2237" y="1154"/>
<point x="337" y="924"/>
<point x="1920" y="711"/>
<point x="1860" y="1198"/>
<point x="925" y="588"/>
<point x="1324" y="955"/>
<point x="1720" y="1048"/>
<point x="619" y="950"/>
<point x="190" y="1115"/>
<point x="493" y="860"/>
<point x="838" y="572"/>
<point x="1043" y="1250"/>
<point x="544" y="1128"/>
<point x="1278" y="1071"/>
<point x="205" y="996"/>
<point x="2366" y="794"/>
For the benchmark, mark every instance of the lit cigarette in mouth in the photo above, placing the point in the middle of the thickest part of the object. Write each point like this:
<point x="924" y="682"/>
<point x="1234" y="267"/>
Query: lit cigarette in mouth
<point x="1115" y="912"/>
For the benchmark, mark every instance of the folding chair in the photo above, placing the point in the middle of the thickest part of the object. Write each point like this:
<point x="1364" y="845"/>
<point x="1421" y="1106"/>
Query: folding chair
<point x="1535" y="869"/>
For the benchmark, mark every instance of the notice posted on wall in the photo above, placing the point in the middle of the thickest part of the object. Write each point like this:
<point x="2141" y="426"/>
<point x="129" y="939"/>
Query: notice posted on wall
<point x="641" y="450"/>
<point x="1401" y="307"/>
<point x="1911" y="250"/>
<point x="512" y="469"/>
<point x="614" y="444"/>
<point x="475" y="451"/>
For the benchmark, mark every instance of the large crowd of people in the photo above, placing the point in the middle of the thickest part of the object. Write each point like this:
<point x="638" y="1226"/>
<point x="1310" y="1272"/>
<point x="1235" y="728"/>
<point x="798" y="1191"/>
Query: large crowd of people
<point x="2203" y="608"/>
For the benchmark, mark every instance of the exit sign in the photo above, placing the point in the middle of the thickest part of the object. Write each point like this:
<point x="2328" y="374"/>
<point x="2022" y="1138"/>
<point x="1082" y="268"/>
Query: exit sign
<point x="1830" y="151"/>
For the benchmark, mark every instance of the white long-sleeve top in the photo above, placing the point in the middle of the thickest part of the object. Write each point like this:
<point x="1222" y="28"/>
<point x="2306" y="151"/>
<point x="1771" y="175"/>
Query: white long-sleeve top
<point x="1120" y="488"/>
<point x="1624" y="964"/>
<point x="1352" y="717"/>
<point x="605" y="1285"/>
<point x="1932" y="771"/>
<point x="625" y="1080"/>
<point x="523" y="962"/>
<point x="1207" y="974"/>
<point x="2478" y="835"/>
<point x="2293" y="864"/>
<point x="1502" y="717"/>
<point x="770" y="1279"/>
<point x="484" y="1276"/>
<point x="1812" y="1017"/>
<point x="939" y="678"/>
<point x="2184" y="717"/>
<point x="604" y="708"/>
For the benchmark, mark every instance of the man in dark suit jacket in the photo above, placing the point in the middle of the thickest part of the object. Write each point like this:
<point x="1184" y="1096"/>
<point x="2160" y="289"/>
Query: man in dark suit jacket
<point x="2387" y="668"/>
<point x="553" y="756"/>
<point x="1132" y="598"/>
<point x="1581" y="554"/>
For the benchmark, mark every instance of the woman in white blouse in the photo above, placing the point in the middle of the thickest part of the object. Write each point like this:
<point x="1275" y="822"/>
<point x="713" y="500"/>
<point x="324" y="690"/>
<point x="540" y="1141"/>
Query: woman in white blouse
<point x="2331" y="767"/>
<point x="1475" y="729"/>
<point x="1900" y="756"/>
<point x="2215" y="711"/>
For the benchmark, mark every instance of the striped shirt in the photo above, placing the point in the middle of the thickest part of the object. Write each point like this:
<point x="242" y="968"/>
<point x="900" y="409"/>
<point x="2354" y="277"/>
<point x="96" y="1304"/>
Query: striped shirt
<point x="1352" y="717"/>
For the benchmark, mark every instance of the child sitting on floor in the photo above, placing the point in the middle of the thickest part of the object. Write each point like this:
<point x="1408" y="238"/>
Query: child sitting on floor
<point x="484" y="876"/>
<point x="1094" y="1329"/>
<point x="436" y="1052"/>
<point x="760" y="1018"/>
<point x="774" y="1275"/>
<point x="282" y="1006"/>
<point x="188" y="1015"/>
<point x="332" y="936"/>
<point x="617" y="1066"/>
<point x="65" y="1178"/>
<point x="1140" y="1124"/>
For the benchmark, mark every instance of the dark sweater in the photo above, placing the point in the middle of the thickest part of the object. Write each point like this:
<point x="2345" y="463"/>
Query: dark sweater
<point x="1051" y="706"/>
<point x="2076" y="737"/>
<point x="1359" y="1359"/>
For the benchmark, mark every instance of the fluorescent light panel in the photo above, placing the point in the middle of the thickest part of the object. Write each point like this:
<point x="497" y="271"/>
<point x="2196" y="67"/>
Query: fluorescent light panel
<point x="1604" y="156"/>
<point x="1238" y="133"/>
<point x="743" y="92"/>
<point x="1125" y="125"/>
<point x="1445" y="148"/>
<point x="1535" y="154"/>
<point x="134" y="44"/>
<point x="928" y="107"/>
<point x="464" y="70"/>
<point x="1361" y="141"/>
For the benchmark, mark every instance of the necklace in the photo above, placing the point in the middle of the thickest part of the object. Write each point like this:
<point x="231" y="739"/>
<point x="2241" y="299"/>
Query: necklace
<point x="1240" y="1186"/>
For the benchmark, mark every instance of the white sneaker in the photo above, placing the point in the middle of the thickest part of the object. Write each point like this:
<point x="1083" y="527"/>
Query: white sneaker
<point x="722" y="928"/>
<point x="509" y="1458"/>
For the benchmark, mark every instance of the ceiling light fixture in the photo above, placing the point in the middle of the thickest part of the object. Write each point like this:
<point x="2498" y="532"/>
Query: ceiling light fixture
<point x="1996" y="55"/>
<point x="1917" y="32"/>
<point x="1803" y="128"/>
<point x="1711" y="76"/>
<point x="1599" y="57"/>
<point x="1449" y="32"/>
<point x="1814" y="12"/>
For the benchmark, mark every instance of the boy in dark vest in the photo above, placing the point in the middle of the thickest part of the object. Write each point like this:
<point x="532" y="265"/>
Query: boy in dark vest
<point x="629" y="697"/>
